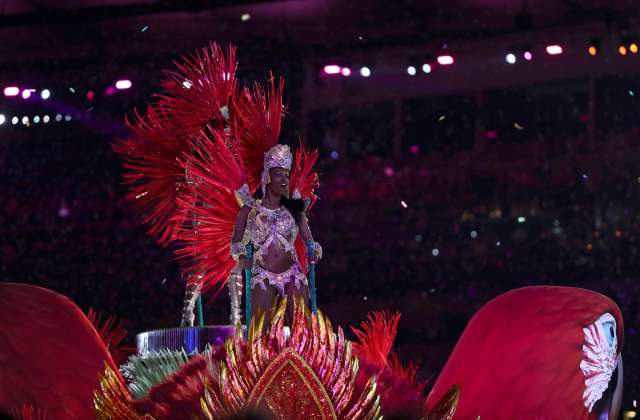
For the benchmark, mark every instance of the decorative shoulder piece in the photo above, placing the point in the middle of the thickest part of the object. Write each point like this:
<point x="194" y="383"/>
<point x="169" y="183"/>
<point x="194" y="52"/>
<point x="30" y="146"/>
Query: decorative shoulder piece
<point x="237" y="251"/>
<point x="244" y="198"/>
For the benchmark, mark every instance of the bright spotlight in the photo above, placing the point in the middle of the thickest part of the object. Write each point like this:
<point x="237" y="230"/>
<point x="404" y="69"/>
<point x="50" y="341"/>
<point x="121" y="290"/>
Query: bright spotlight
<point x="58" y="117"/>
<point x="411" y="70"/>
<point x="511" y="58"/>
<point x="36" y="119"/>
<point x="2" y="119"/>
<point x="426" y="68"/>
<point x="45" y="94"/>
<point x="45" y="119"/>
<point x="123" y="84"/>
<point x="622" y="50"/>
<point x="593" y="50"/>
<point x="554" y="49"/>
<point x="365" y="71"/>
<point x="528" y="55"/>
<point x="445" y="60"/>
<point x="346" y="71"/>
<point x="332" y="69"/>
<point x="26" y="93"/>
<point x="633" y="48"/>
<point x="14" y="120"/>
<point x="67" y="117"/>
<point x="245" y="17"/>
<point x="11" y="91"/>
<point x="25" y="120"/>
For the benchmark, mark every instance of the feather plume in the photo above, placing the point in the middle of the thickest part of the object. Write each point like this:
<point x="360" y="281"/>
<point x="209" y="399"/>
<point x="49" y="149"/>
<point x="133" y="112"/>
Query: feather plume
<point x="375" y="338"/>
<point x="215" y="176"/>
<point x="112" y="333"/>
<point x="256" y="124"/>
<point x="151" y="158"/>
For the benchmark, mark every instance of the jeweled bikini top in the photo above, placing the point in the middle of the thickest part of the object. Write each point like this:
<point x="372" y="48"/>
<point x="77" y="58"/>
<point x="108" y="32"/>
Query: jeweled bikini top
<point x="266" y="226"/>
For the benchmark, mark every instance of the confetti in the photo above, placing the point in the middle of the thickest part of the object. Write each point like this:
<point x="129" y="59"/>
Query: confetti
<point x="72" y="90"/>
<point x="144" y="29"/>
<point x="442" y="117"/>
<point x="404" y="204"/>
<point x="632" y="93"/>
<point x="518" y="126"/>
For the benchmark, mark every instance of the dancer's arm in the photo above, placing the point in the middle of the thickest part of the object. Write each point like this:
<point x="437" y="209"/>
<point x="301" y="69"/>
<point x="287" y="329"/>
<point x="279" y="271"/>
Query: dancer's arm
<point x="305" y="232"/>
<point x="237" y="248"/>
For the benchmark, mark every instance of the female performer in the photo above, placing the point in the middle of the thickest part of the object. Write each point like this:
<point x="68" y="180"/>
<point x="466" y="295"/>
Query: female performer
<point x="271" y="224"/>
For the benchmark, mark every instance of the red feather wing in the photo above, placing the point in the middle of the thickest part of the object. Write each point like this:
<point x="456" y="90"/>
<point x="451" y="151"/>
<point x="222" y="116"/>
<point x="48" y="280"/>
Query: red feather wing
<point x="216" y="174"/>
<point x="151" y="158"/>
<point x="51" y="357"/>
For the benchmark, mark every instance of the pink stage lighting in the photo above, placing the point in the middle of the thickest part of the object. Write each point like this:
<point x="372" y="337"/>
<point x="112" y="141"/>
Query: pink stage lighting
<point x="332" y="69"/>
<point x="26" y="93"/>
<point x="528" y="55"/>
<point x="123" y="84"/>
<point x="346" y="71"/>
<point x="445" y="60"/>
<point x="11" y="91"/>
<point x="554" y="49"/>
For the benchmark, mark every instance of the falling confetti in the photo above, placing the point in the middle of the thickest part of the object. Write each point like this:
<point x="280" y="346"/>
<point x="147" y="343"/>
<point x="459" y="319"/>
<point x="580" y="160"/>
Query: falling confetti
<point x="518" y="126"/>
<point x="404" y="204"/>
<point x="164" y="280"/>
<point x="441" y="118"/>
<point x="144" y="29"/>
<point x="72" y="90"/>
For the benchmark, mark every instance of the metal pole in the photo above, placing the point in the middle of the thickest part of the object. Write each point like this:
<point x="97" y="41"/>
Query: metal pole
<point x="247" y="290"/>
<point x="312" y="277"/>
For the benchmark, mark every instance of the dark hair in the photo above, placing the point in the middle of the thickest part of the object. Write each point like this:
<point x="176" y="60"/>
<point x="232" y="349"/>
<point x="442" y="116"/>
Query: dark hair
<point x="294" y="205"/>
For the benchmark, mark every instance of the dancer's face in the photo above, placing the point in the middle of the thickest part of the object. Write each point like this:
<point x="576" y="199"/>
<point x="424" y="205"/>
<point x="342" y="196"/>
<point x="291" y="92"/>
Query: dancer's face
<point x="279" y="181"/>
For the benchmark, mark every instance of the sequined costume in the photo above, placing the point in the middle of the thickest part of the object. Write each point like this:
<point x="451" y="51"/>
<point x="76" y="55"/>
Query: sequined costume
<point x="273" y="227"/>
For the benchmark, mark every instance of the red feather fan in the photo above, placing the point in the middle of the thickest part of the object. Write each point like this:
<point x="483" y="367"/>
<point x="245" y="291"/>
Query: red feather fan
<point x="153" y="172"/>
<point x="216" y="175"/>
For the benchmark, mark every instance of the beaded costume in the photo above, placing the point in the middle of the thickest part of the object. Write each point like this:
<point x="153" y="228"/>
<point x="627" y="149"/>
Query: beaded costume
<point x="267" y="228"/>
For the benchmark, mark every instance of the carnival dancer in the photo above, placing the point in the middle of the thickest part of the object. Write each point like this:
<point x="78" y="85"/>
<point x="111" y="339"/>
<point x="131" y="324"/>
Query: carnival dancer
<point x="194" y="163"/>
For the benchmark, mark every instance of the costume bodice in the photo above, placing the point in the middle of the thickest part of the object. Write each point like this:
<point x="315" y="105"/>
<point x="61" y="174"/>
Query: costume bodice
<point x="267" y="226"/>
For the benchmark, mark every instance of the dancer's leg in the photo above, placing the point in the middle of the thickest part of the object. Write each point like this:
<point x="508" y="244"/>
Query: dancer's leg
<point x="293" y="293"/>
<point x="262" y="298"/>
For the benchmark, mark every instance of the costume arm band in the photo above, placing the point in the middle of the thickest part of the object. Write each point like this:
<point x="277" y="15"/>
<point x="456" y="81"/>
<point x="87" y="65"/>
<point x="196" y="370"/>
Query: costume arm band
<point x="237" y="250"/>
